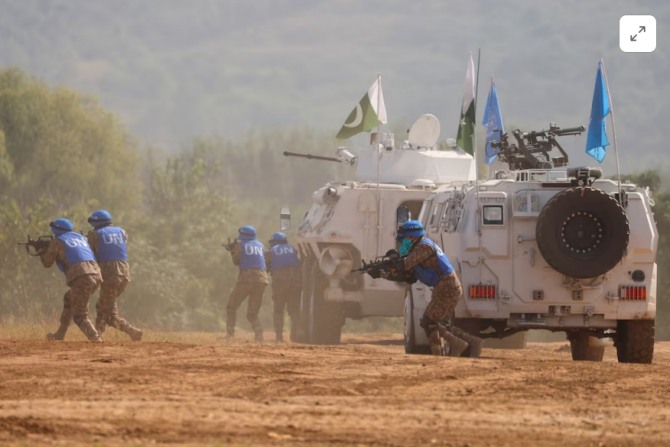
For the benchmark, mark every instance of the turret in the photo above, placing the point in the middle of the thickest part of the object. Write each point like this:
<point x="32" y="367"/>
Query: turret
<point x="417" y="161"/>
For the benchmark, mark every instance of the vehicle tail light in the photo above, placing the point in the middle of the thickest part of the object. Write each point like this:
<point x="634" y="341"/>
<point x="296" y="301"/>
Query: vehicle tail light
<point x="482" y="291"/>
<point x="635" y="293"/>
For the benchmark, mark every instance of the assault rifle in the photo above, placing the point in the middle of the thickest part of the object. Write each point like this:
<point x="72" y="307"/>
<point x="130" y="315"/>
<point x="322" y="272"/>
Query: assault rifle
<point x="390" y="264"/>
<point x="39" y="245"/>
<point x="229" y="246"/>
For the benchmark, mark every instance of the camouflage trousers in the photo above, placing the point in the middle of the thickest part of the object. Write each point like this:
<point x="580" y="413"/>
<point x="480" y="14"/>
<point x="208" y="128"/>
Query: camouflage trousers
<point x="107" y="311"/>
<point x="242" y="290"/>
<point x="286" y="296"/>
<point x="75" y="308"/>
<point x="444" y="299"/>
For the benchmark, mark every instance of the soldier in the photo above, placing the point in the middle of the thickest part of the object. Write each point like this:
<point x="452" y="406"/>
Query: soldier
<point x="109" y="246"/>
<point x="432" y="267"/>
<point x="284" y="266"/>
<point x="73" y="256"/>
<point x="252" y="279"/>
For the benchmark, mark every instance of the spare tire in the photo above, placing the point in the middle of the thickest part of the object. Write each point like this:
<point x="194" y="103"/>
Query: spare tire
<point x="582" y="232"/>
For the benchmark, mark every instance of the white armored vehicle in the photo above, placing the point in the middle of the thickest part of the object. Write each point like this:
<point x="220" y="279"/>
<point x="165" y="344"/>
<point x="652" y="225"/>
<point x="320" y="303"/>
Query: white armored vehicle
<point x="357" y="219"/>
<point x="543" y="246"/>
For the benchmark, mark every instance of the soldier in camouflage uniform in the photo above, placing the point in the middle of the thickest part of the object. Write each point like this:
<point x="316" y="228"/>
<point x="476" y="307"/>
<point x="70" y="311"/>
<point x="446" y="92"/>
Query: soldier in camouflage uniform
<point x="248" y="254"/>
<point x="284" y="266"/>
<point x="109" y="246"/>
<point x="73" y="256"/>
<point x="431" y="266"/>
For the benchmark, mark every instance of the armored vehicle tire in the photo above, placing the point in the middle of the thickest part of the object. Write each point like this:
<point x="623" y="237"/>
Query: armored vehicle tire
<point x="322" y="321"/>
<point x="582" y="232"/>
<point x="585" y="347"/>
<point x="409" y="329"/>
<point x="635" y="341"/>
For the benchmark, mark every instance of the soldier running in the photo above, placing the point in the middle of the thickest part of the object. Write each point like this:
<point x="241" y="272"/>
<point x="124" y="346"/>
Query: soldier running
<point x="74" y="257"/>
<point x="109" y="244"/>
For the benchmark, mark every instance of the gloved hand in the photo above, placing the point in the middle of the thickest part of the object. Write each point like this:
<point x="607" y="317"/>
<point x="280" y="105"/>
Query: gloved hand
<point x="375" y="273"/>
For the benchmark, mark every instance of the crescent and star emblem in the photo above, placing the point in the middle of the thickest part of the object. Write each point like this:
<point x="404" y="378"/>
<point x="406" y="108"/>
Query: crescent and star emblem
<point x="358" y="119"/>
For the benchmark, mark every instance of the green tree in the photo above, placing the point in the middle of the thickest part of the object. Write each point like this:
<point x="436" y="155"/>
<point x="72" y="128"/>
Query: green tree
<point x="60" y="155"/>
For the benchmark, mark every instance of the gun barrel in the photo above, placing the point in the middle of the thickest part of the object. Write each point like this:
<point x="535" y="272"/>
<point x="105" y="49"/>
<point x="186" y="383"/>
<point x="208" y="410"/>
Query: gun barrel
<point x="310" y="156"/>
<point x="571" y="130"/>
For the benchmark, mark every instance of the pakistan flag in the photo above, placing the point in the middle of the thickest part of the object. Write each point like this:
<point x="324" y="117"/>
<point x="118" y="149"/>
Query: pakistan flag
<point x="368" y="113"/>
<point x="466" y="127"/>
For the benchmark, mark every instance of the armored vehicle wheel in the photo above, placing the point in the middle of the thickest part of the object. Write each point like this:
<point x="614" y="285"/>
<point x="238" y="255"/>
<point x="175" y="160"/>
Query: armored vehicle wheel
<point x="410" y="327"/>
<point x="586" y="347"/>
<point x="582" y="232"/>
<point x="322" y="321"/>
<point x="635" y="341"/>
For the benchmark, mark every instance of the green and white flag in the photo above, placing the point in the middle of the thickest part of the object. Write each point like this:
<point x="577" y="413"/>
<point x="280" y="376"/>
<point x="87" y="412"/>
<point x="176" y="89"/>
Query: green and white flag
<point x="466" y="127"/>
<point x="368" y="113"/>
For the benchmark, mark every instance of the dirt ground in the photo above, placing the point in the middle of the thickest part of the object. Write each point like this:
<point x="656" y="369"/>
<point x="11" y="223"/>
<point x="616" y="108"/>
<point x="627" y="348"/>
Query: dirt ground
<point x="366" y="391"/>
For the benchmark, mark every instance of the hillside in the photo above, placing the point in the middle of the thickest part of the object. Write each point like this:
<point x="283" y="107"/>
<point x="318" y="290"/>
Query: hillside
<point x="175" y="70"/>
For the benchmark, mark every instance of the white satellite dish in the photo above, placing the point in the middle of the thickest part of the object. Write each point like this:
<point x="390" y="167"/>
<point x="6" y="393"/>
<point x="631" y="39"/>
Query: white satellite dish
<point x="425" y="131"/>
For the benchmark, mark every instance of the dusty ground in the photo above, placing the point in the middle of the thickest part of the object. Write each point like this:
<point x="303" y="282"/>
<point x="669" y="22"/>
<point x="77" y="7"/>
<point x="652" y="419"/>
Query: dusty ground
<point x="364" y="392"/>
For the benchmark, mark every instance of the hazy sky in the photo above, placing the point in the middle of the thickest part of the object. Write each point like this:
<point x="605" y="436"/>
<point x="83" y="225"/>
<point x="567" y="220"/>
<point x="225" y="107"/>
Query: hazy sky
<point x="173" y="70"/>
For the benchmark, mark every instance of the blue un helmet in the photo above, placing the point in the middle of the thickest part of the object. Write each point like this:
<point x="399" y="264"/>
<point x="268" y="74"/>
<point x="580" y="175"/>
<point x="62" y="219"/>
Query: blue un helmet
<point x="100" y="218"/>
<point x="410" y="228"/>
<point x="60" y="226"/>
<point x="278" y="238"/>
<point x="247" y="233"/>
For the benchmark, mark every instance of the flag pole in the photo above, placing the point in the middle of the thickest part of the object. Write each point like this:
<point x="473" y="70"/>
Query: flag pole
<point x="616" y="151"/>
<point x="488" y="169"/>
<point x="474" y="151"/>
<point x="474" y="139"/>
<point x="376" y="143"/>
<point x="474" y="133"/>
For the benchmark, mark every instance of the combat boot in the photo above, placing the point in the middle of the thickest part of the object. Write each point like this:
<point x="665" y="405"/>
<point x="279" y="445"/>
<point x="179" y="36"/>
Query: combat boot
<point x="88" y="329"/>
<point x="473" y="341"/>
<point x="134" y="333"/>
<point x="58" y="335"/>
<point x="456" y="345"/>
<point x="437" y="345"/>
<point x="100" y="323"/>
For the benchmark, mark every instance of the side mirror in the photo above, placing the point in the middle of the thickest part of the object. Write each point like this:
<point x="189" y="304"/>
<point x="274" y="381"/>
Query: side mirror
<point x="284" y="219"/>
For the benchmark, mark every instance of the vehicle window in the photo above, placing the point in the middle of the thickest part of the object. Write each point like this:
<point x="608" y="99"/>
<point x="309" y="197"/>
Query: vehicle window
<point x="423" y="215"/>
<point x="435" y="213"/>
<point x="493" y="215"/>
<point x="403" y="214"/>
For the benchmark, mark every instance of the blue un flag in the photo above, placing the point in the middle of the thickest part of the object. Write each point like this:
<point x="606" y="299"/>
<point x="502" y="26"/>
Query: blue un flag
<point x="493" y="122"/>
<point x="596" y="138"/>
